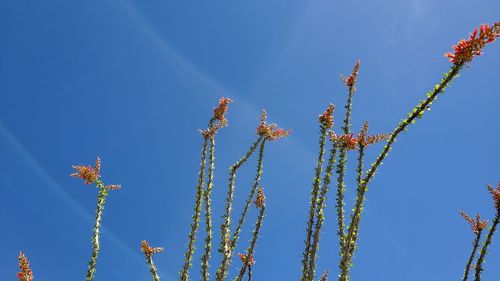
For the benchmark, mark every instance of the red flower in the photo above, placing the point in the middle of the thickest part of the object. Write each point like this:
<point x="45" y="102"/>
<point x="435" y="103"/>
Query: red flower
<point x="260" y="200"/>
<point x="221" y="109"/>
<point x="270" y="131"/>
<point x="326" y="118"/>
<point x="25" y="274"/>
<point x="364" y="139"/>
<point x="495" y="193"/>
<point x="350" y="81"/>
<point x="349" y="142"/>
<point x="476" y="224"/>
<point x="243" y="258"/>
<point x="87" y="173"/>
<point x="219" y="114"/>
<point x="148" y="250"/>
<point x="466" y="50"/>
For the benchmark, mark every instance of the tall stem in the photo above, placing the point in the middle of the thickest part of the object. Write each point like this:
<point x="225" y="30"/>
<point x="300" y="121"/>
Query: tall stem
<point x="184" y="273"/>
<point x="208" y="211"/>
<point x="472" y="255"/>
<point x="313" y="202"/>
<point x="101" y="201"/>
<point x="341" y="167"/>
<point x="250" y="250"/>
<point x="225" y="244"/>
<point x="352" y="235"/>
<point x="484" y="249"/>
<point x="152" y="268"/>
<point x="416" y="113"/>
<point x="256" y="182"/>
<point x="320" y="211"/>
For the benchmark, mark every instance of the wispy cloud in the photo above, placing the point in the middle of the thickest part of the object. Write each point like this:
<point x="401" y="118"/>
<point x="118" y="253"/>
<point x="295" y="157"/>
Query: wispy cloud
<point x="192" y="73"/>
<point x="183" y="66"/>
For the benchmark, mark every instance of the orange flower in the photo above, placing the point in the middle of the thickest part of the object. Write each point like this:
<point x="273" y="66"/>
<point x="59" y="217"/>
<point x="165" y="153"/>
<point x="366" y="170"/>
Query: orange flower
<point x="475" y="224"/>
<point x="148" y="250"/>
<point x="364" y="139"/>
<point x="270" y="131"/>
<point x="260" y="200"/>
<point x="219" y="114"/>
<point x="495" y="192"/>
<point x="221" y="109"/>
<point x="243" y="258"/>
<point x="466" y="50"/>
<point x="350" y="81"/>
<point x="326" y="118"/>
<point x="348" y="142"/>
<point x="25" y="274"/>
<point x="87" y="173"/>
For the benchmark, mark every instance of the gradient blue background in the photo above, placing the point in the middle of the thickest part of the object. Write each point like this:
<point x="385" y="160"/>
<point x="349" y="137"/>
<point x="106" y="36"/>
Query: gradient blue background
<point x="133" y="81"/>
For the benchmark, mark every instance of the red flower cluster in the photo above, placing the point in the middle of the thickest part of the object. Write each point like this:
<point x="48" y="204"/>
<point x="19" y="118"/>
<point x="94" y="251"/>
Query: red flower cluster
<point x="243" y="258"/>
<point x="221" y="109"/>
<point x="25" y="274"/>
<point x="87" y="173"/>
<point x="270" y="132"/>
<point x="260" y="200"/>
<point x="465" y="50"/>
<point x="148" y="250"/>
<point x="475" y="224"/>
<point x="219" y="114"/>
<point x="348" y="142"/>
<point x="350" y="81"/>
<point x="326" y="118"/>
<point x="495" y="192"/>
<point x="364" y="139"/>
<point x="92" y="175"/>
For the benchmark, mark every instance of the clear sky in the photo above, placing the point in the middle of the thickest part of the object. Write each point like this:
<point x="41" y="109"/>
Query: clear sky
<point x="133" y="81"/>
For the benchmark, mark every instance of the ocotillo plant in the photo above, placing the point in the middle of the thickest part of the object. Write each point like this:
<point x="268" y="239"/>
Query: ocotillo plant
<point x="463" y="54"/>
<point x="93" y="175"/>
<point x="334" y="149"/>
<point x="216" y="122"/>
<point x="265" y="132"/>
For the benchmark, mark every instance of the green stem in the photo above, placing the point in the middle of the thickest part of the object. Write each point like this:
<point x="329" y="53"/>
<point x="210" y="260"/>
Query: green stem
<point x="352" y="235"/>
<point x="324" y="277"/>
<point x="256" y="182"/>
<point x="348" y="110"/>
<point x="320" y="215"/>
<point x="184" y="273"/>
<point x="484" y="250"/>
<point x="313" y="202"/>
<point x="225" y="244"/>
<point x="472" y="255"/>
<point x="101" y="201"/>
<point x="250" y="250"/>
<point x="208" y="211"/>
<point x="341" y="167"/>
<point x="417" y="112"/>
<point x="152" y="268"/>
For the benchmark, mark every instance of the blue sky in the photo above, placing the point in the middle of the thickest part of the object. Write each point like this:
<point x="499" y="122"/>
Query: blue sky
<point x="133" y="81"/>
